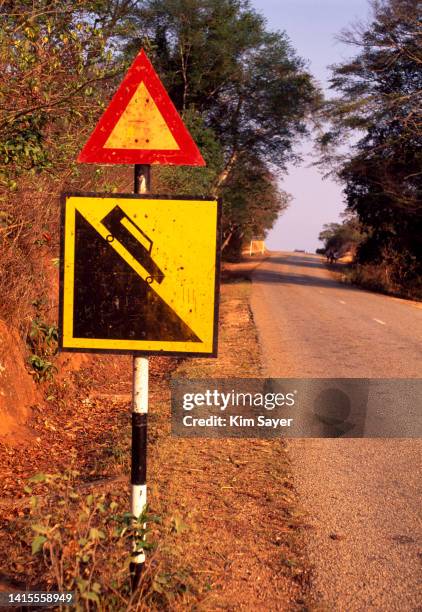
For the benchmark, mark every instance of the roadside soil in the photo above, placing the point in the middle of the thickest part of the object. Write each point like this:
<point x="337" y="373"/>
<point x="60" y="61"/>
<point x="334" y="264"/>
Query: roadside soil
<point x="233" y="526"/>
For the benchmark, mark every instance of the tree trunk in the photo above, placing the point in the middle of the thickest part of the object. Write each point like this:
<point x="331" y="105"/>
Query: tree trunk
<point x="227" y="240"/>
<point x="224" y="174"/>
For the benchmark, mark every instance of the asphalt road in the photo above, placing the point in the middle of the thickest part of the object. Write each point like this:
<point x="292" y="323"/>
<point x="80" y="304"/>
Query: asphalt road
<point x="363" y="496"/>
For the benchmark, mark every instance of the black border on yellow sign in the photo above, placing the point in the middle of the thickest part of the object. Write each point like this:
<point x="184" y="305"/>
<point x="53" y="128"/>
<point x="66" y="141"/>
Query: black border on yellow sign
<point x="133" y="196"/>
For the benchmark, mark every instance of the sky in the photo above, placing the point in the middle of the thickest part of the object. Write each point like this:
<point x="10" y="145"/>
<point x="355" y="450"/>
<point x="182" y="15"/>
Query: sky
<point x="312" y="26"/>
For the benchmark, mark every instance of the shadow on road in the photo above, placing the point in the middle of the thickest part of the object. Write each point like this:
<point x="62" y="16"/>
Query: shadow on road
<point x="303" y="261"/>
<point x="264" y="276"/>
<point x="286" y="277"/>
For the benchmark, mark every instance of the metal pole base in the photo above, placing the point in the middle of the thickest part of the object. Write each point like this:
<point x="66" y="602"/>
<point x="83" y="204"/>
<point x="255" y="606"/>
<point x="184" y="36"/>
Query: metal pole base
<point x="136" y="570"/>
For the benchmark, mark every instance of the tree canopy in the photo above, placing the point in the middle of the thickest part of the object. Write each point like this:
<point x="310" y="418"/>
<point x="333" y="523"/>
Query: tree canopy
<point x="242" y="90"/>
<point x="248" y="85"/>
<point x="380" y="94"/>
<point x="218" y="57"/>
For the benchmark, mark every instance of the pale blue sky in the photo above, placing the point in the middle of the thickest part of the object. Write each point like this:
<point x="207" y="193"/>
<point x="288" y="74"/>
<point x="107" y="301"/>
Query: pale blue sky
<point x="312" y="26"/>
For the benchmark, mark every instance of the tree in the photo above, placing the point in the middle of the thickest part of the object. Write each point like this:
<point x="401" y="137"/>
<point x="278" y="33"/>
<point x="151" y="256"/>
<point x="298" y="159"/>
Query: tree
<point x="249" y="86"/>
<point x="56" y="59"/>
<point x="380" y="97"/>
<point x="341" y="237"/>
<point x="253" y="202"/>
<point x="217" y="56"/>
<point x="58" y="66"/>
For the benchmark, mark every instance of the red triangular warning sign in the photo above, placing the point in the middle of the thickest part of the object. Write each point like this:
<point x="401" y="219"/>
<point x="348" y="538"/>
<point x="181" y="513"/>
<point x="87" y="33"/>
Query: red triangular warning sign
<point x="141" y="125"/>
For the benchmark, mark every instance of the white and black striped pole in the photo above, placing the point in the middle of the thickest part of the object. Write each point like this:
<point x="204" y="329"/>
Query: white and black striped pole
<point x="142" y="184"/>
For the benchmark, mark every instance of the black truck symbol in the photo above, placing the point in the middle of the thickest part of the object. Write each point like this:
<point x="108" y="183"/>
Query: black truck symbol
<point x="142" y="254"/>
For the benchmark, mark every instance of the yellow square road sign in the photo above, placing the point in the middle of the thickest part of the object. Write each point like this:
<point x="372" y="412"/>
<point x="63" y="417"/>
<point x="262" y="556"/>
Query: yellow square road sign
<point x="139" y="273"/>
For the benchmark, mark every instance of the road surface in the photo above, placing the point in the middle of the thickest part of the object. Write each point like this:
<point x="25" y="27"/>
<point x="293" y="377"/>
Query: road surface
<point x="363" y="496"/>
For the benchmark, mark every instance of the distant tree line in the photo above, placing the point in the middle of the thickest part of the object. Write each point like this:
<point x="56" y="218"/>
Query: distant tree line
<point x="380" y="95"/>
<point x="340" y="239"/>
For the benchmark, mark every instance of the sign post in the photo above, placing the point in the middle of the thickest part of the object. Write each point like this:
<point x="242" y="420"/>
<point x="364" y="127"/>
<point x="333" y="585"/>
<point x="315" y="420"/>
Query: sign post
<point x="138" y="476"/>
<point x="139" y="273"/>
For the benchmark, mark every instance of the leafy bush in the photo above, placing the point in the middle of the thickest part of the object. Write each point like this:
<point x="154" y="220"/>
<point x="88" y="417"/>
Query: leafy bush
<point x="43" y="370"/>
<point x="42" y="339"/>
<point x="383" y="278"/>
<point x="72" y="538"/>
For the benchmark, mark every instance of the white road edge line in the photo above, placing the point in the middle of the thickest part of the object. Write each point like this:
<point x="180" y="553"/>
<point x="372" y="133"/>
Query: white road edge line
<point x="380" y="322"/>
